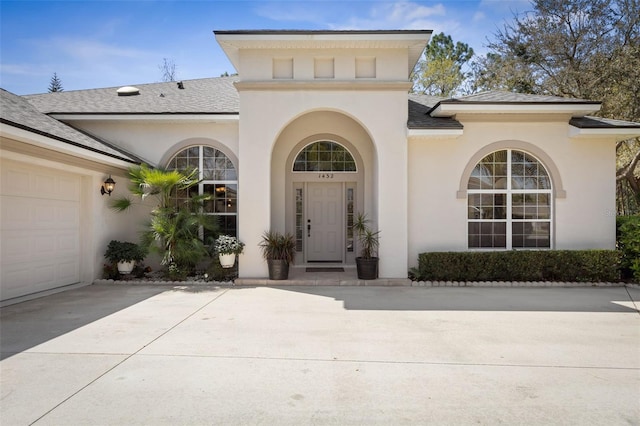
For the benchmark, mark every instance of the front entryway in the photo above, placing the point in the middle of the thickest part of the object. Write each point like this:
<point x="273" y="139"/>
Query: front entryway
<point x="325" y="222"/>
<point x="326" y="189"/>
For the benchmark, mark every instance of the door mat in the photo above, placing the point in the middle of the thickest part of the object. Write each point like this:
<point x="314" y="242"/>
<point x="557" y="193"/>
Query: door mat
<point x="325" y="269"/>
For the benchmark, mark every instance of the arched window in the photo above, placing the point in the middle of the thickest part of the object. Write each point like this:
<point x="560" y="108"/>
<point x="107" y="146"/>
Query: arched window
<point x="324" y="156"/>
<point x="219" y="179"/>
<point x="509" y="199"/>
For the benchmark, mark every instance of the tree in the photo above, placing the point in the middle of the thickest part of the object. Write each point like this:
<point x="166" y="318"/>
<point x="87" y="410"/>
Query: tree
<point x="55" y="85"/>
<point x="587" y="49"/>
<point x="440" y="71"/>
<point x="173" y="230"/>
<point x="168" y="70"/>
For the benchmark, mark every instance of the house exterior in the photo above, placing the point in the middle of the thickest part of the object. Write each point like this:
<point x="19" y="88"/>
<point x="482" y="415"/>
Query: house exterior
<point x="316" y="126"/>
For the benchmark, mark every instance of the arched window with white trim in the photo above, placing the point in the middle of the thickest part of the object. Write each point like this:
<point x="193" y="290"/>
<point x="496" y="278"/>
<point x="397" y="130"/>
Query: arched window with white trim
<point x="509" y="200"/>
<point x="324" y="156"/>
<point x="218" y="179"/>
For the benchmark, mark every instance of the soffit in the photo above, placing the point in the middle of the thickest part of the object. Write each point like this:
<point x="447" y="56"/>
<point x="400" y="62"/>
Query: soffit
<point x="233" y="41"/>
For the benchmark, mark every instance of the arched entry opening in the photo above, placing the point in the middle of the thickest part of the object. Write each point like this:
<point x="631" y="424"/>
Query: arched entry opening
<point x="322" y="175"/>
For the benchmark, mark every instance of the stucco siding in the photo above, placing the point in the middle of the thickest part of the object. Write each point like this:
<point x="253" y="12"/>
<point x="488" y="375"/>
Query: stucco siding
<point x="154" y="141"/>
<point x="257" y="65"/>
<point x="585" y="169"/>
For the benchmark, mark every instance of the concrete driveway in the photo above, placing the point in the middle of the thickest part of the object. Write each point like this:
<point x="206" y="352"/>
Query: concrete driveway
<point x="129" y="355"/>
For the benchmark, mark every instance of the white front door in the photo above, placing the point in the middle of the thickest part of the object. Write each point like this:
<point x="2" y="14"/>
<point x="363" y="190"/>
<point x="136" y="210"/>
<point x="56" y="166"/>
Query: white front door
<point x="324" y="222"/>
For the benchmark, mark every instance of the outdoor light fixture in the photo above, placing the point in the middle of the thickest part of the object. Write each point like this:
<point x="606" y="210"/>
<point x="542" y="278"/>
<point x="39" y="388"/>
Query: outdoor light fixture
<point x="108" y="187"/>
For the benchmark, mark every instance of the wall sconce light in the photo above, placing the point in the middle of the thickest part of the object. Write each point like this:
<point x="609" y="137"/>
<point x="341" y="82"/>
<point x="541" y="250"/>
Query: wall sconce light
<point x="108" y="187"/>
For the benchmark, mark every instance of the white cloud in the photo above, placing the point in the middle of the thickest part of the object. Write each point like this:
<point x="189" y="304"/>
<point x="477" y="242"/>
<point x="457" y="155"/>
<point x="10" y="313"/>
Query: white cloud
<point x="292" y="11"/>
<point x="87" y="50"/>
<point x="478" y="16"/>
<point x="396" y="15"/>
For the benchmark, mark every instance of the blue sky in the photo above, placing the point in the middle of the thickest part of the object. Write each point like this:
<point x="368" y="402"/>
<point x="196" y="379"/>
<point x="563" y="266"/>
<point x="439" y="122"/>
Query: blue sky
<point x="91" y="44"/>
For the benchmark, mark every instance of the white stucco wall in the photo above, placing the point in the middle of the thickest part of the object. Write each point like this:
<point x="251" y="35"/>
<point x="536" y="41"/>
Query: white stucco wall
<point x="154" y="140"/>
<point x="382" y="114"/>
<point x="256" y="65"/>
<point x="584" y="219"/>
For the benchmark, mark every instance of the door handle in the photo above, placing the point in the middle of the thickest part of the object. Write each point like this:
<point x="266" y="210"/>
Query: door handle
<point x="308" y="228"/>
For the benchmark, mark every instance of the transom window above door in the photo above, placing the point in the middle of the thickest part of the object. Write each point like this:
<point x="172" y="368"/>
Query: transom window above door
<point x="324" y="156"/>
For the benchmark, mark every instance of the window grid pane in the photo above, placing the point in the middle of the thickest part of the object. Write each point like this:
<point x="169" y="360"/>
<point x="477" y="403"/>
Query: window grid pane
<point x="509" y="200"/>
<point x="299" y="219"/>
<point x="219" y="182"/>
<point x="324" y="156"/>
<point x="350" y="213"/>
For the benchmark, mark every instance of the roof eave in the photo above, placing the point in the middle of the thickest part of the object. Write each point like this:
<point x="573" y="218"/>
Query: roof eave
<point x="575" y="109"/>
<point x="232" y="42"/>
<point x="230" y="117"/>
<point x="434" y="133"/>
<point x="44" y="140"/>
<point x="618" y="134"/>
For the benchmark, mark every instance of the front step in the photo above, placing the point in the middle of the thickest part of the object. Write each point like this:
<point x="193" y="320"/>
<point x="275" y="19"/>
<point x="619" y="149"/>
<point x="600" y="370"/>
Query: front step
<point x="387" y="282"/>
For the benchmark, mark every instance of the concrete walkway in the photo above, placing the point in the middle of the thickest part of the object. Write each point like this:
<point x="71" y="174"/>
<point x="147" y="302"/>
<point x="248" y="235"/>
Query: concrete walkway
<point x="129" y="355"/>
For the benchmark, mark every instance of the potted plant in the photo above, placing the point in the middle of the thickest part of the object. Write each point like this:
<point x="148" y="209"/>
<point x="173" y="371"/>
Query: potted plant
<point x="367" y="263"/>
<point x="228" y="248"/>
<point x="124" y="254"/>
<point x="278" y="250"/>
<point x="174" y="230"/>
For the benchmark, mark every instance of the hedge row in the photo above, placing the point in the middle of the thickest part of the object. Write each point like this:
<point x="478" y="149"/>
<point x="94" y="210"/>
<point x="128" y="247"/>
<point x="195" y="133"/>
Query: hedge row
<point x="628" y="241"/>
<point x="539" y="265"/>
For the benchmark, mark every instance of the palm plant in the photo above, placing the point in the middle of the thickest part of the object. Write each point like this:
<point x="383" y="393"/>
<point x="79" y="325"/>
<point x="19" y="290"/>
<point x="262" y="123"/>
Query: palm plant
<point x="277" y="246"/>
<point x="369" y="239"/>
<point x="173" y="230"/>
<point x="279" y="250"/>
<point x="367" y="263"/>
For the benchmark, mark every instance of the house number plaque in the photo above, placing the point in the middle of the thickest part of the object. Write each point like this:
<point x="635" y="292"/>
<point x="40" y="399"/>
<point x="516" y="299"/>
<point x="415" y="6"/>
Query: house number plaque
<point x="325" y="175"/>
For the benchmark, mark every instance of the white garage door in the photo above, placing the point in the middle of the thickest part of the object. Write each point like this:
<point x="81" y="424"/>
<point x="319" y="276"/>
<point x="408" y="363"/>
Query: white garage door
<point x="39" y="229"/>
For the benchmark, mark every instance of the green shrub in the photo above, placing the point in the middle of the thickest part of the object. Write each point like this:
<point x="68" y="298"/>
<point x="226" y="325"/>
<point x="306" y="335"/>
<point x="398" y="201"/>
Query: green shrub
<point x="521" y="265"/>
<point x="628" y="242"/>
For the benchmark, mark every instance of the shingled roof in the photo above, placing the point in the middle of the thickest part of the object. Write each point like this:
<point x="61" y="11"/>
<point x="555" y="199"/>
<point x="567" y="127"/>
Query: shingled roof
<point x="602" y="123"/>
<point x="218" y="95"/>
<point x="419" y="118"/>
<point x="18" y="112"/>
<point x="201" y="96"/>
<point x="499" y="96"/>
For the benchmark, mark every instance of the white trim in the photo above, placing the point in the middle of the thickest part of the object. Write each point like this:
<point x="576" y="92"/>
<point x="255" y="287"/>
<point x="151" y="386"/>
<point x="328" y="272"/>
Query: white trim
<point x="576" y="110"/>
<point x="413" y="41"/>
<point x="618" y="133"/>
<point x="324" y="84"/>
<point x="435" y="133"/>
<point x="509" y="191"/>
<point x="184" y="118"/>
<point x="31" y="138"/>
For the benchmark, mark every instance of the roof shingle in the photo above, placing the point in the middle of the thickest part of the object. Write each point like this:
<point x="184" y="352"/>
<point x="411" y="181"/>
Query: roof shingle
<point x="17" y="112"/>
<point x="201" y="96"/>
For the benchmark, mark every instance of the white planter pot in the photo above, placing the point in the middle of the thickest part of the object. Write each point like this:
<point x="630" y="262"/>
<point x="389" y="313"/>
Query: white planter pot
<point x="126" y="267"/>
<point x="227" y="260"/>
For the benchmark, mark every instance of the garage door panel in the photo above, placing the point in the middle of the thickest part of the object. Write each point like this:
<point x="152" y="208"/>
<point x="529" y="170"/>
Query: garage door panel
<point x="14" y="213"/>
<point x="68" y="271"/>
<point x="40" y="229"/>
<point x="38" y="245"/>
<point x="24" y="181"/>
<point x="30" y="213"/>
